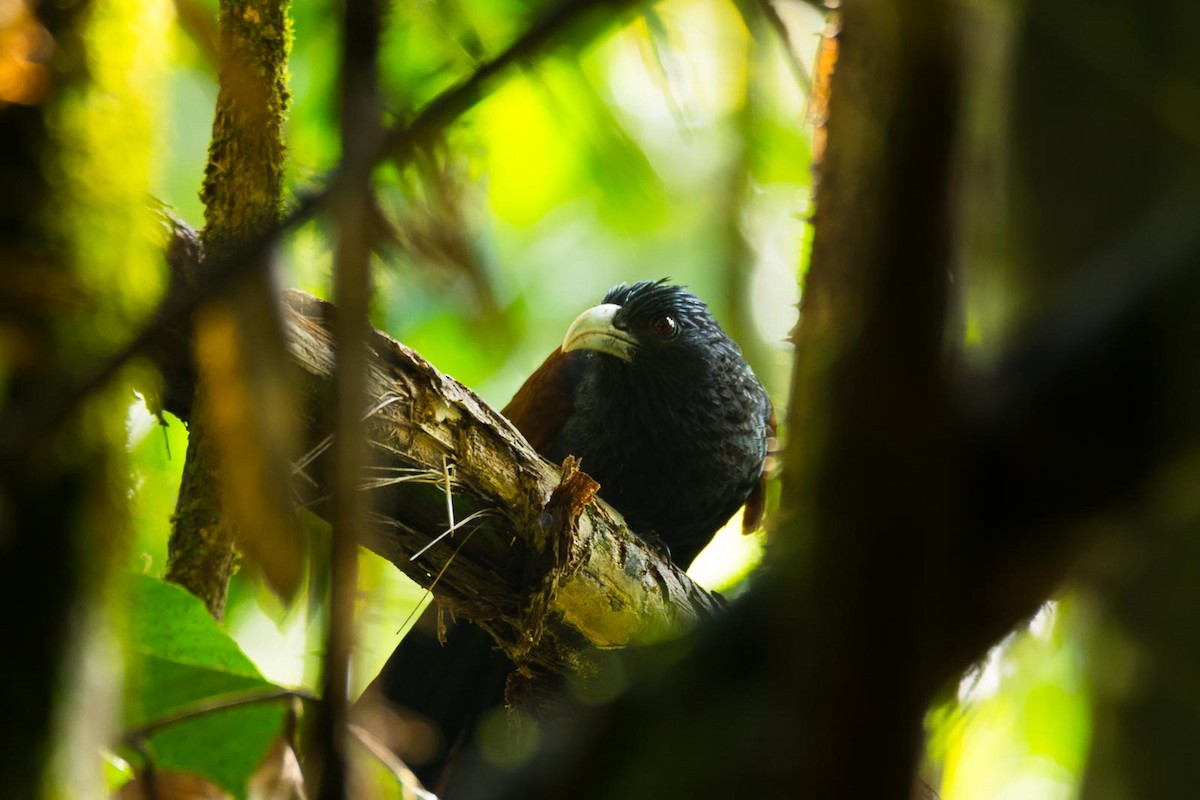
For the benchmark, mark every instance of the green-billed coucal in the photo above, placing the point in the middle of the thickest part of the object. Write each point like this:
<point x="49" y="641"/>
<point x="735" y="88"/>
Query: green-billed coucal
<point x="665" y="413"/>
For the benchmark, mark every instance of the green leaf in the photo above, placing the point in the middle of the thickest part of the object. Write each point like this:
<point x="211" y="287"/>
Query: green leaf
<point x="180" y="656"/>
<point x="116" y="771"/>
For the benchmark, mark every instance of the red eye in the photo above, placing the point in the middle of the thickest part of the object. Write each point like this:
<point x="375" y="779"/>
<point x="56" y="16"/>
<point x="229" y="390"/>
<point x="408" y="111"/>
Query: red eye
<point x="664" y="326"/>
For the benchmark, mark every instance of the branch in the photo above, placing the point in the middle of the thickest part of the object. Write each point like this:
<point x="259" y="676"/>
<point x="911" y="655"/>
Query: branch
<point x="222" y="271"/>
<point x="878" y="496"/>
<point x="534" y="557"/>
<point x="360" y="129"/>
<point x="547" y="568"/>
<point x="225" y="477"/>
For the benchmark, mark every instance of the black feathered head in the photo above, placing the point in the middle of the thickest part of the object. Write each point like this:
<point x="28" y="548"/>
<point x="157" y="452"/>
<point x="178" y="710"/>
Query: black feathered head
<point x="665" y="413"/>
<point x="647" y="323"/>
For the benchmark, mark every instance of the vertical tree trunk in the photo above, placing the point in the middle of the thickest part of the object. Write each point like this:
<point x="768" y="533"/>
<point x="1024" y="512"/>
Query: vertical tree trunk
<point x="869" y="496"/>
<point x="231" y="446"/>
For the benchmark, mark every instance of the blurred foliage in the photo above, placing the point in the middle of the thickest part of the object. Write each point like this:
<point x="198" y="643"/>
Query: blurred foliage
<point x="81" y="269"/>
<point x="677" y="146"/>
<point x="100" y="178"/>
<point x="575" y="174"/>
<point x="572" y="175"/>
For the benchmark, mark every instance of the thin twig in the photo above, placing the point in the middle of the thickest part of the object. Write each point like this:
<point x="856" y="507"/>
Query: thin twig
<point x="771" y="14"/>
<point x="773" y="19"/>
<point x="198" y="23"/>
<point x="664" y="60"/>
<point x="400" y="771"/>
<point x="305" y="460"/>
<point x="449" y="494"/>
<point x="302" y="463"/>
<point x="450" y="531"/>
<point x="211" y="705"/>
<point x="417" y="476"/>
<point x="433" y="584"/>
<point x="360" y="132"/>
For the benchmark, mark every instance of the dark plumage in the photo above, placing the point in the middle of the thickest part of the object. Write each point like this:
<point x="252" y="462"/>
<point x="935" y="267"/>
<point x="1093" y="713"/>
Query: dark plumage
<point x="661" y="407"/>
<point x="665" y="413"/>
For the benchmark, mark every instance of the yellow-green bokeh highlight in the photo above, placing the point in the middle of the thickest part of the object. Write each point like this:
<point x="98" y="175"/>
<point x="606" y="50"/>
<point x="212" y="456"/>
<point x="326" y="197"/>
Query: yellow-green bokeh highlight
<point x="1022" y="726"/>
<point x="105" y="131"/>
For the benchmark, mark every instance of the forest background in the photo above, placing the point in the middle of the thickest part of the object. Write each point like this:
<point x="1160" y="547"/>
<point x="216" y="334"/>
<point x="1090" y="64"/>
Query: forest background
<point x="1038" y="162"/>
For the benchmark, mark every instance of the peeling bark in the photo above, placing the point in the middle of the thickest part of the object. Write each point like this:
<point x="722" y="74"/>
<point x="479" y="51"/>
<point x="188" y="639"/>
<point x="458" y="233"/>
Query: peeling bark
<point x="535" y="558"/>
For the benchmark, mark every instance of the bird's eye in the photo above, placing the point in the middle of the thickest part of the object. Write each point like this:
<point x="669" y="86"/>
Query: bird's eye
<point x="665" y="326"/>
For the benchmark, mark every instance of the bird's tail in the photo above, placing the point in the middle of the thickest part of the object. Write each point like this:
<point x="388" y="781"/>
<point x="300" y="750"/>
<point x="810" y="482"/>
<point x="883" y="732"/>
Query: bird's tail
<point x="435" y="694"/>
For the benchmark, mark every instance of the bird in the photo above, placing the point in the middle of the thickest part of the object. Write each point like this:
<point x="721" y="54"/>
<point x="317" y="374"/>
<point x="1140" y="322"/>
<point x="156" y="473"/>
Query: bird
<point x="660" y="407"/>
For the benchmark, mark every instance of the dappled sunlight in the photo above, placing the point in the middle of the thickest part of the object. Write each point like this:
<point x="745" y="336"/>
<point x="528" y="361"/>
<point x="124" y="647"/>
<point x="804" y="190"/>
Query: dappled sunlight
<point x="989" y="406"/>
<point x="1020" y="726"/>
<point x="729" y="559"/>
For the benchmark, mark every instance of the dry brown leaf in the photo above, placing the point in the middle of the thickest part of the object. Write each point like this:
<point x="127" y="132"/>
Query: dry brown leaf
<point x="278" y="777"/>
<point x="248" y="421"/>
<point x="171" y="785"/>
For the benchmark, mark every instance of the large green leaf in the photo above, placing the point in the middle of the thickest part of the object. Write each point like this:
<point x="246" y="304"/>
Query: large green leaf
<point x="180" y="656"/>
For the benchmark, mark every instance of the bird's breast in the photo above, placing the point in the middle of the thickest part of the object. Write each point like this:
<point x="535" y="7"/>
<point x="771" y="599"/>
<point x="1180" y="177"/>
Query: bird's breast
<point x="678" y="469"/>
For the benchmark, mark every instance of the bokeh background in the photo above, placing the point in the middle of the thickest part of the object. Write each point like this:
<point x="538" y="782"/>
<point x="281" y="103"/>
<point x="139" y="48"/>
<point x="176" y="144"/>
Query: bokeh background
<point x="679" y="145"/>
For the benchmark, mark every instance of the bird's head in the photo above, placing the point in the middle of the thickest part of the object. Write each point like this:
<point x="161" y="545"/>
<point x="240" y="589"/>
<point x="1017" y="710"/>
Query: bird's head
<point x="648" y="323"/>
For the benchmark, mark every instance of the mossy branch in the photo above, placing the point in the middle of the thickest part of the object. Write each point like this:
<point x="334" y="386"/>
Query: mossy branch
<point x="243" y="190"/>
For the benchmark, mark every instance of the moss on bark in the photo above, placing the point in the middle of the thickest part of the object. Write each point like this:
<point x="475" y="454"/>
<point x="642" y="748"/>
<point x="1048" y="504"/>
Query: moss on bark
<point x="242" y="194"/>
